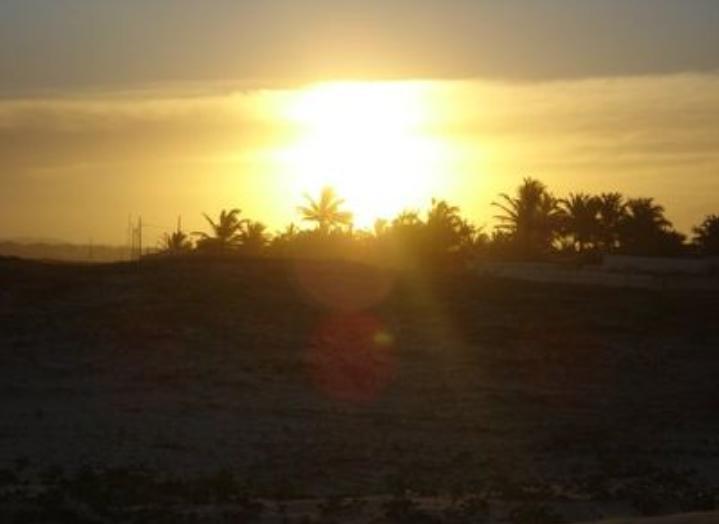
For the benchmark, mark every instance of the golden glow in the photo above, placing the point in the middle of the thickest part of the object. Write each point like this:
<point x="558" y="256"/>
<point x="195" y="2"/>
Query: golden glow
<point x="367" y="140"/>
<point x="160" y="154"/>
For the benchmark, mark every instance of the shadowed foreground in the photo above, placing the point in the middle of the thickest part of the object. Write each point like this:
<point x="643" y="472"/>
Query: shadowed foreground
<point x="691" y="518"/>
<point x="200" y="380"/>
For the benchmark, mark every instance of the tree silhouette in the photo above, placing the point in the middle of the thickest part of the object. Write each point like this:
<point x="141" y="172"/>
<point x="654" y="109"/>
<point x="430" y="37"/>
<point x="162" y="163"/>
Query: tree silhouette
<point x="581" y="220"/>
<point x="443" y="215"/>
<point x="449" y="235"/>
<point x="254" y="236"/>
<point x="285" y="242"/>
<point x="533" y="224"/>
<point x="291" y="232"/>
<point x="706" y="236"/>
<point x="402" y="241"/>
<point x="175" y="243"/>
<point x="226" y="232"/>
<point x="326" y="212"/>
<point x="443" y="223"/>
<point x="531" y="219"/>
<point x="644" y="230"/>
<point x="407" y="218"/>
<point x="442" y="239"/>
<point x="612" y="211"/>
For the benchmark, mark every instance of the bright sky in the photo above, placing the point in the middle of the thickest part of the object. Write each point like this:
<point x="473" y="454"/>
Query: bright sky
<point x="167" y="107"/>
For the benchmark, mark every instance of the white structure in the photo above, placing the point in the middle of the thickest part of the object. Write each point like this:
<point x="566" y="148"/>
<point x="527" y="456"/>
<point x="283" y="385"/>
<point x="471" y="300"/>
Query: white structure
<point x="622" y="272"/>
<point x="659" y="266"/>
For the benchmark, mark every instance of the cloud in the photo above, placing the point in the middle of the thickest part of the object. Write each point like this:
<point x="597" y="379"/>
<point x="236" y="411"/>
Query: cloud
<point x="655" y="135"/>
<point x="48" y="44"/>
<point x="42" y="135"/>
<point x="611" y="122"/>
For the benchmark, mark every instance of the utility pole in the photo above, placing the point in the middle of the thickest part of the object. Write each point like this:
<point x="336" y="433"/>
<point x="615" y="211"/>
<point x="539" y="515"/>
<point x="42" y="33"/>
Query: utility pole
<point x="139" y="237"/>
<point x="134" y="233"/>
<point x="130" y="238"/>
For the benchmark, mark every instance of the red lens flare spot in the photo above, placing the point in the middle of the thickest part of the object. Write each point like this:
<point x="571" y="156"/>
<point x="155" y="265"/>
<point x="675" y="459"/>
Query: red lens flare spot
<point x="351" y="358"/>
<point x="342" y="287"/>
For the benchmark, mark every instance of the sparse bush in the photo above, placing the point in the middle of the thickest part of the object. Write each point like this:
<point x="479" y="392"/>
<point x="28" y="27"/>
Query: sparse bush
<point x="337" y="509"/>
<point x="534" y="513"/>
<point x="402" y="509"/>
<point x="473" y="509"/>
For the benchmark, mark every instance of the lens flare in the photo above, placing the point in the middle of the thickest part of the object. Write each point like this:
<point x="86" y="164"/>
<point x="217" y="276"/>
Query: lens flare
<point x="351" y="359"/>
<point x="342" y="287"/>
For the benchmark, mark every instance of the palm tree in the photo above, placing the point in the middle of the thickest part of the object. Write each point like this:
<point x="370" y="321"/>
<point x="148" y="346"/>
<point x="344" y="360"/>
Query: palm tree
<point x="407" y="219"/>
<point x="326" y="211"/>
<point x="288" y="234"/>
<point x="612" y="212"/>
<point x="706" y="236"/>
<point x="532" y="218"/>
<point x="443" y="213"/>
<point x="445" y="227"/>
<point x="581" y="219"/>
<point x="254" y="236"/>
<point x="644" y="230"/>
<point x="226" y="232"/>
<point x="285" y="242"/>
<point x="400" y="241"/>
<point x="176" y="243"/>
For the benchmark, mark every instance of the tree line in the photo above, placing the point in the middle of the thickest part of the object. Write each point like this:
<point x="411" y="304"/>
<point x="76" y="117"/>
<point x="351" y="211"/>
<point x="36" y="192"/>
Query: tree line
<point x="532" y="224"/>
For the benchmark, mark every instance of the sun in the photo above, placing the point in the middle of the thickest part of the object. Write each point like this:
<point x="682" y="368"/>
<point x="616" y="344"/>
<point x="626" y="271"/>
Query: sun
<point x="369" y="141"/>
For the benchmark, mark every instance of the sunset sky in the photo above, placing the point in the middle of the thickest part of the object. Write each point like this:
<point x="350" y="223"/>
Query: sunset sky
<point x="167" y="107"/>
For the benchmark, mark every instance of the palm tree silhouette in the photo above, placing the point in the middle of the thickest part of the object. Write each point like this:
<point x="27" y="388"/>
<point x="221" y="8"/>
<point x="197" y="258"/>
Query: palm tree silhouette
<point x="445" y="226"/>
<point x="644" y="230"/>
<point x="226" y="232"/>
<point x="612" y="211"/>
<point x="444" y="213"/>
<point x="644" y="212"/>
<point x="176" y="243"/>
<point x="326" y="211"/>
<point x="285" y="242"/>
<point x="706" y="236"/>
<point x="407" y="218"/>
<point x="581" y="219"/>
<point x="289" y="233"/>
<point x="254" y="236"/>
<point x="531" y="219"/>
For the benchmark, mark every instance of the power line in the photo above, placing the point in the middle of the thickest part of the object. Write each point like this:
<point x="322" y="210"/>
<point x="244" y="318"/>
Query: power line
<point x="136" y="234"/>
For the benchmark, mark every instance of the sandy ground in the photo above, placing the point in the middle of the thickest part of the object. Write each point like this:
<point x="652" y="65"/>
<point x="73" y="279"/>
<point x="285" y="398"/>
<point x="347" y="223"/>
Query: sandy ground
<point x="686" y="518"/>
<point x="324" y="380"/>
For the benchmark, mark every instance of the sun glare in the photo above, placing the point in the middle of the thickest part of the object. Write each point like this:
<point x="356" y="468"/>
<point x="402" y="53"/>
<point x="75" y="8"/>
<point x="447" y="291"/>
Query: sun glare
<point x="367" y="140"/>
